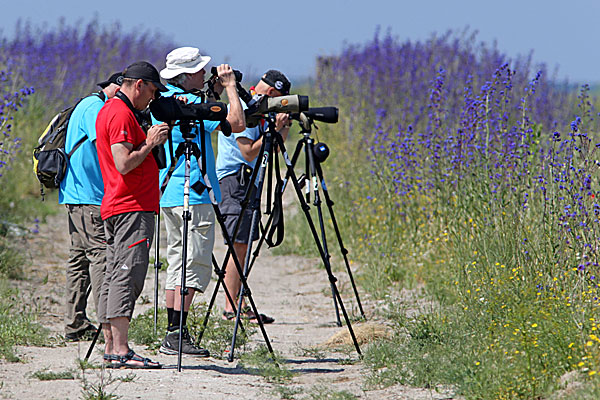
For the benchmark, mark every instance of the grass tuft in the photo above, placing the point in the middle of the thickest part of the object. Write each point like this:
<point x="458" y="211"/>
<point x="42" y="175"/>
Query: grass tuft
<point x="262" y="362"/>
<point x="47" y="375"/>
<point x="18" y="324"/>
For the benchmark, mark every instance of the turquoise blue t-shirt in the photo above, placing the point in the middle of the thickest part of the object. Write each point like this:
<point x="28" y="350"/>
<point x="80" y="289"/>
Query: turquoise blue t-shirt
<point x="229" y="158"/>
<point x="83" y="183"/>
<point x="173" y="195"/>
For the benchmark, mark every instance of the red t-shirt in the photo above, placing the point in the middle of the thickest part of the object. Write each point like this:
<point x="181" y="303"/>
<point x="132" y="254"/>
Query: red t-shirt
<point x="137" y="190"/>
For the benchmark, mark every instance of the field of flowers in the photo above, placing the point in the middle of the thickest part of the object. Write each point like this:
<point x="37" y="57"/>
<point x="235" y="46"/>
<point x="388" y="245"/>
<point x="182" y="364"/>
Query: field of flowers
<point x="42" y="71"/>
<point x="476" y="176"/>
<point x="454" y="168"/>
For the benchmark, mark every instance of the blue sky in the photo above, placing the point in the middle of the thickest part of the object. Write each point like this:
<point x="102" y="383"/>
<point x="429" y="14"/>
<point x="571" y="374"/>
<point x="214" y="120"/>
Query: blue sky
<point x="255" y="36"/>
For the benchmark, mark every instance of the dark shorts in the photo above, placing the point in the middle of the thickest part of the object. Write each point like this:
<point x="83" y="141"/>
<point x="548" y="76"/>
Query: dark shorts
<point x="128" y="238"/>
<point x="232" y="195"/>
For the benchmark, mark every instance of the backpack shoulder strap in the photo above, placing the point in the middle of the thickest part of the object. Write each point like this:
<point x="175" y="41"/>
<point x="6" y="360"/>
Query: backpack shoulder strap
<point x="83" y="139"/>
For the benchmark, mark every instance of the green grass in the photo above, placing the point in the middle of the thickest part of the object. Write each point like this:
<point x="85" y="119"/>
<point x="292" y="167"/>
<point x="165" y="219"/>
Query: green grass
<point x="20" y="203"/>
<point x="322" y="392"/>
<point x="11" y="260"/>
<point x="47" y="375"/>
<point x="286" y="392"/>
<point x="262" y="362"/>
<point x="141" y="330"/>
<point x="510" y="312"/>
<point x="18" y="325"/>
<point x="315" y="352"/>
<point x="102" y="384"/>
<point x="216" y="339"/>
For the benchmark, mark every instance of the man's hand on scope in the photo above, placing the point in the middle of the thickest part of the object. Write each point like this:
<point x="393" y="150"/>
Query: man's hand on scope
<point x="282" y="124"/>
<point x="226" y="78"/>
<point x="157" y="135"/>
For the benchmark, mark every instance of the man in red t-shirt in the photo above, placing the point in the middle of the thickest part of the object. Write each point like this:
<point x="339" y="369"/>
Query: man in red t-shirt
<point x="131" y="196"/>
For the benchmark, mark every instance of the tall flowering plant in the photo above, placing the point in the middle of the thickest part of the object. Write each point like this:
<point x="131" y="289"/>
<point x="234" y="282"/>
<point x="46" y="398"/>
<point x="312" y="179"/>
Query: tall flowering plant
<point x="11" y="99"/>
<point x="65" y="62"/>
<point x="481" y="179"/>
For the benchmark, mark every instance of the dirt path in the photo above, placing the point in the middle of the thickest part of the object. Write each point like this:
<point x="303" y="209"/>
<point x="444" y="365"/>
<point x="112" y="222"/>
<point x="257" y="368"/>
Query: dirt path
<point x="291" y="289"/>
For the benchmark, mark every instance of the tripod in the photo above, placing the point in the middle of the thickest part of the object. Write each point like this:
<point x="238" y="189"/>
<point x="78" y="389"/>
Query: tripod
<point x="271" y="140"/>
<point x="314" y="175"/>
<point x="188" y="148"/>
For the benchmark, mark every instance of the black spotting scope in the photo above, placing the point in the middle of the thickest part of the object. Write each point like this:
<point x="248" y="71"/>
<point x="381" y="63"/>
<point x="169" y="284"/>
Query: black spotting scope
<point x="324" y="114"/>
<point x="168" y="109"/>
<point x="261" y="105"/>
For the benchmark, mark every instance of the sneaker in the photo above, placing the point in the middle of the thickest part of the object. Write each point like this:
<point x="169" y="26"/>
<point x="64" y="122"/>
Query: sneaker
<point x="87" y="333"/>
<point x="170" y="344"/>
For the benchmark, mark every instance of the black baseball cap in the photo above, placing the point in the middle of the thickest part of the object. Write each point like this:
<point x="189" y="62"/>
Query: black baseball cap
<point x="277" y="80"/>
<point x="145" y="71"/>
<point x="116" y="78"/>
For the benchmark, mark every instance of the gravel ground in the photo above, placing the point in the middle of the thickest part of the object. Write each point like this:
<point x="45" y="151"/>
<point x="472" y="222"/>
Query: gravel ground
<point x="291" y="289"/>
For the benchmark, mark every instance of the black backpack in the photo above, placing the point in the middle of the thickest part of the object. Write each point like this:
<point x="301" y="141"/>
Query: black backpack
<point x="49" y="158"/>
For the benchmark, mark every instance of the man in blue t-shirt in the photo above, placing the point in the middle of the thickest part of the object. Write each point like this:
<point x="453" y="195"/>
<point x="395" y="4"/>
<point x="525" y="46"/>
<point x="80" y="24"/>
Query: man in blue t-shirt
<point x="81" y="192"/>
<point x="185" y="72"/>
<point x="237" y="154"/>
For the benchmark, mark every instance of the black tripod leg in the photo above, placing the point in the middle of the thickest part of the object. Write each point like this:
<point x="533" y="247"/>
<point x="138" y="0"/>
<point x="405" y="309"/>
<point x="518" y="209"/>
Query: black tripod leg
<point x="97" y="334"/>
<point x="343" y="250"/>
<point x="94" y="340"/>
<point x="221" y="274"/>
<point x="310" y="162"/>
<point x="183" y="289"/>
<point x="306" y="210"/>
<point x="157" y="266"/>
<point x="244" y="203"/>
<point x="244" y="282"/>
<point x="243" y="286"/>
<point x="261" y="240"/>
<point x="267" y="150"/>
<point x="231" y="252"/>
<point x="307" y="174"/>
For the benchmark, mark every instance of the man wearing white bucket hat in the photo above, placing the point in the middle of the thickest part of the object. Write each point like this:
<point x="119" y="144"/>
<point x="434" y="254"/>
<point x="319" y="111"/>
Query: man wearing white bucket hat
<point x="185" y="72"/>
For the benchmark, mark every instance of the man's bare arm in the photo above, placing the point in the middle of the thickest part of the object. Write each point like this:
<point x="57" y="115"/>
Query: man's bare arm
<point x="235" y="117"/>
<point x="127" y="158"/>
<point x="249" y="148"/>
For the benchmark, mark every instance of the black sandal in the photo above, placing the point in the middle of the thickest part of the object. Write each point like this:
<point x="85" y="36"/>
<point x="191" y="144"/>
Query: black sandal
<point x="131" y="356"/>
<point x="228" y="315"/>
<point x="265" y="319"/>
<point x="111" y="359"/>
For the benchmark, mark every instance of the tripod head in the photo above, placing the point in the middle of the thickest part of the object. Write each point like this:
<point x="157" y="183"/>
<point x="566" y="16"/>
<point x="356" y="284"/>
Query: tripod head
<point x="186" y="128"/>
<point x="307" y="119"/>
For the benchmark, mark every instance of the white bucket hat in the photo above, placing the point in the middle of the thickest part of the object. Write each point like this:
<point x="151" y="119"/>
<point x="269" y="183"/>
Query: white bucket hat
<point x="184" y="60"/>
